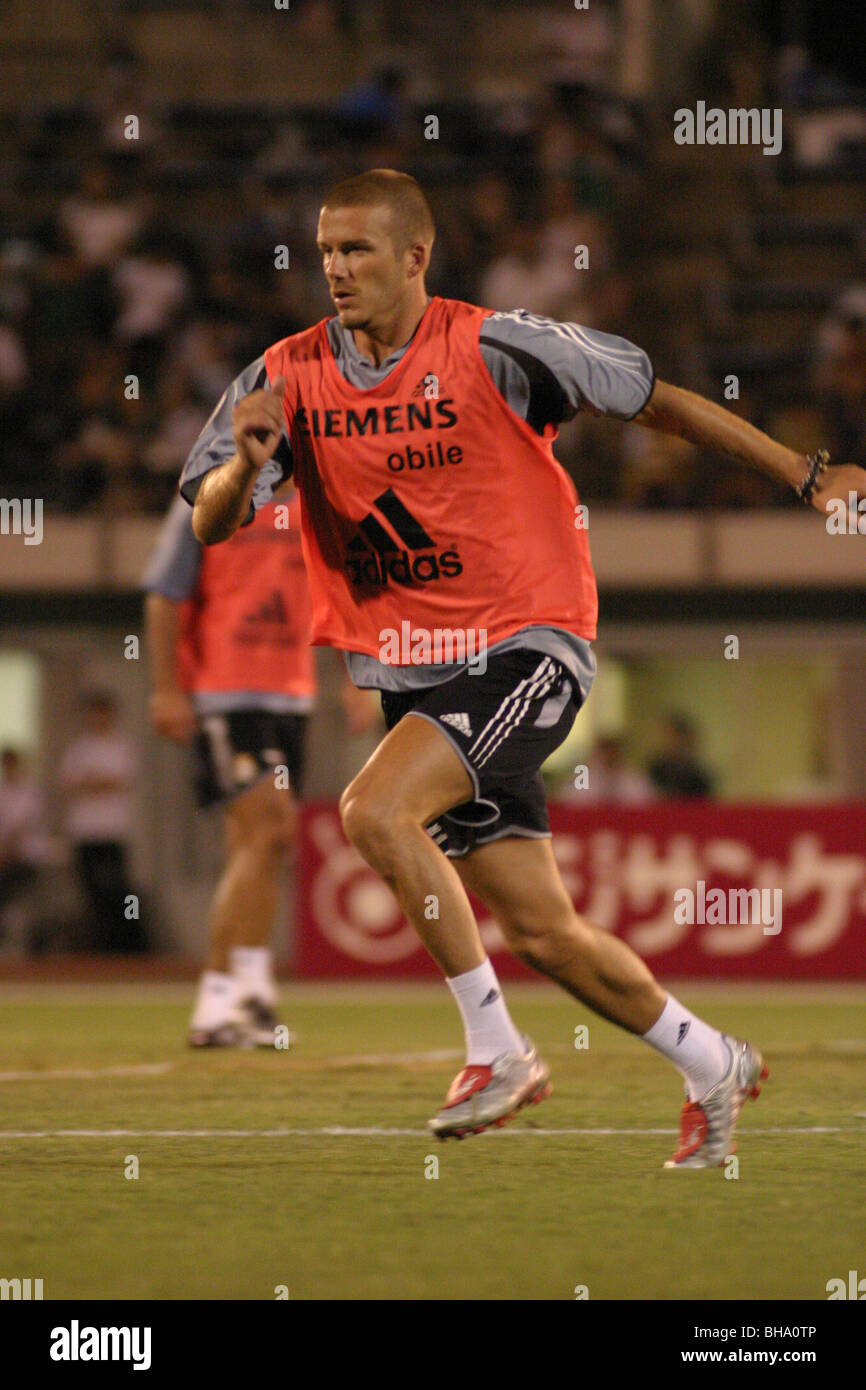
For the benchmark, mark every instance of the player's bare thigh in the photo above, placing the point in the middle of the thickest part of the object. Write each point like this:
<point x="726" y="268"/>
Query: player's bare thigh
<point x="414" y="774"/>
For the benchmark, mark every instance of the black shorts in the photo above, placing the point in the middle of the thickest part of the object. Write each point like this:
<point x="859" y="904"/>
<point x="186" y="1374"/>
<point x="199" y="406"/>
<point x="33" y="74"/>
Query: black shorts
<point x="504" y="723"/>
<point x="234" y="751"/>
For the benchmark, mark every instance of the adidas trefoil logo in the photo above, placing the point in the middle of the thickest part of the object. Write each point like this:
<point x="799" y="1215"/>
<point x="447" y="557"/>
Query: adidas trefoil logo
<point x="428" y="387"/>
<point x="374" y="557"/>
<point x="272" y="610"/>
<point x="461" y="723"/>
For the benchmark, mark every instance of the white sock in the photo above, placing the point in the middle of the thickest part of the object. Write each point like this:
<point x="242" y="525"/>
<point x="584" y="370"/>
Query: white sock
<point x="215" y="1000"/>
<point x="698" y="1051"/>
<point x="486" y="1020"/>
<point x="251" y="968"/>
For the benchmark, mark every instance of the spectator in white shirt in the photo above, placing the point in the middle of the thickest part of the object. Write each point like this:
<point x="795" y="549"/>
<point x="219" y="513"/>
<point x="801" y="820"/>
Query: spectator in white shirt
<point x="97" y="773"/>
<point x="610" y="780"/>
<point x="520" y="275"/>
<point x="99" y="225"/>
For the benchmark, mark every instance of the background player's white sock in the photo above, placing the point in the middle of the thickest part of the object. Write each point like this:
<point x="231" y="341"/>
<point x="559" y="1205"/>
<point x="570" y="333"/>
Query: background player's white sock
<point x="486" y="1020"/>
<point x="215" y="1000"/>
<point x="698" y="1051"/>
<point x="252" y="969"/>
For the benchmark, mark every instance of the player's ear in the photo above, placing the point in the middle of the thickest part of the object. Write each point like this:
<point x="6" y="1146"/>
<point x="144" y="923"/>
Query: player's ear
<point x="418" y="256"/>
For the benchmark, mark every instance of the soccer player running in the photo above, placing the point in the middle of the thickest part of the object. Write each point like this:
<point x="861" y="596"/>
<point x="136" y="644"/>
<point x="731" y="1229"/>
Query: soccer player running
<point x="419" y="432"/>
<point x="231" y="671"/>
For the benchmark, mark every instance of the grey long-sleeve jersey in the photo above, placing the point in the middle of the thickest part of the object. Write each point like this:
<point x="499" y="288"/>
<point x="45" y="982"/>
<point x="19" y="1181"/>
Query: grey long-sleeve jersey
<point x="546" y="372"/>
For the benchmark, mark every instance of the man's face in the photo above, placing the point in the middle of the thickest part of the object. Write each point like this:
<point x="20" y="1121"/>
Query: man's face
<point x="367" y="277"/>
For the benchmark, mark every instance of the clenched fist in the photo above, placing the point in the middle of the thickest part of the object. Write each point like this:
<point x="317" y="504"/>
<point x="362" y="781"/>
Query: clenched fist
<point x="172" y="715"/>
<point x="844" y="482"/>
<point x="257" y="424"/>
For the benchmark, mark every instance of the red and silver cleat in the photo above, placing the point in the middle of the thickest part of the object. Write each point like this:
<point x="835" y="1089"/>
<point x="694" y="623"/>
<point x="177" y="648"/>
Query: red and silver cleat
<point x="707" y="1125"/>
<point x="481" y="1096"/>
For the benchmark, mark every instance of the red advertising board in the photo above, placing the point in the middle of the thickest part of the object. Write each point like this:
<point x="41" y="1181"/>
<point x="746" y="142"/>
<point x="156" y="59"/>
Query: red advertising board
<point x="697" y="889"/>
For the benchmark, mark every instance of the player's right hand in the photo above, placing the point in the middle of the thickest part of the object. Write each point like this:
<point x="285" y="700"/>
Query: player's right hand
<point x="257" y="424"/>
<point x="361" y="708"/>
<point x="172" y="715"/>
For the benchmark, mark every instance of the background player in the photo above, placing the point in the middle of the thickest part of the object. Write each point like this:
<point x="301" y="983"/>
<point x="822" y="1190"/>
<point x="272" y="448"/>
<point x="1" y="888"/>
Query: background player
<point x="232" y="670"/>
<point x="498" y="515"/>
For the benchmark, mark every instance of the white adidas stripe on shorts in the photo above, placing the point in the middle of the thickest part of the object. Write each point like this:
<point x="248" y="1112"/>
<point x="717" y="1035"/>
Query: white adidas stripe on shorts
<point x="512" y="711"/>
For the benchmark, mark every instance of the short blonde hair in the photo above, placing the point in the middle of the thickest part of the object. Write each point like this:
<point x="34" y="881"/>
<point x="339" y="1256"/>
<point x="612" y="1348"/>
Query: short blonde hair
<point x="411" y="218"/>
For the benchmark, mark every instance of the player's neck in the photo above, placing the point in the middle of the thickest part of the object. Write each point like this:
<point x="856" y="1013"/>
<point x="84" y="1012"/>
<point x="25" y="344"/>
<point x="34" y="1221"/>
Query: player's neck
<point x="380" y="341"/>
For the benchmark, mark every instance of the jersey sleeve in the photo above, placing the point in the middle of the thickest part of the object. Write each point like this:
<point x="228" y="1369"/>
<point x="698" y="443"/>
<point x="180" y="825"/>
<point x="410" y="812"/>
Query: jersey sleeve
<point x="215" y="445"/>
<point x="548" y="371"/>
<point x="174" y="565"/>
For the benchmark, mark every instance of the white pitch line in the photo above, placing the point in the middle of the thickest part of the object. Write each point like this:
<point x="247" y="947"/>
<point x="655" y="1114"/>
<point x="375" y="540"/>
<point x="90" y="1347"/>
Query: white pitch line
<point x="342" y="1132"/>
<point x="362" y="1059"/>
<point x="85" y="1074"/>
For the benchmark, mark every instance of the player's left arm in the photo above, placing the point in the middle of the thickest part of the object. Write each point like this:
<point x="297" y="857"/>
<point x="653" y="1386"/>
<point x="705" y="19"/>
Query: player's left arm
<point x="171" y="576"/>
<point x="549" y="371"/>
<point x="700" y="421"/>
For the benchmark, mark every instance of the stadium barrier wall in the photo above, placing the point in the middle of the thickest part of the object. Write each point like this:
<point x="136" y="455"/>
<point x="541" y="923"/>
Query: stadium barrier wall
<point x="762" y="548"/>
<point x="642" y="874"/>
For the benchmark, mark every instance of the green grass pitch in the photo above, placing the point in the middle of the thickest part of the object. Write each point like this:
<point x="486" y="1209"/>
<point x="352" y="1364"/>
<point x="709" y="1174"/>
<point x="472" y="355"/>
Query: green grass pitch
<point x="533" y="1211"/>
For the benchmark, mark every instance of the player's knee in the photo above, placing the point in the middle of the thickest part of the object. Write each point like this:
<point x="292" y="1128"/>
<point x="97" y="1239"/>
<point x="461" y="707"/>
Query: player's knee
<point x="362" y="817"/>
<point x="543" y="936"/>
<point x="283" y="823"/>
<point x="265" y="834"/>
<point x="277" y="837"/>
<point x="528" y="946"/>
<point x="286" y="834"/>
<point x="370" y="825"/>
<point x="543" y="953"/>
<point x="263" y="841"/>
<point x="349" y="813"/>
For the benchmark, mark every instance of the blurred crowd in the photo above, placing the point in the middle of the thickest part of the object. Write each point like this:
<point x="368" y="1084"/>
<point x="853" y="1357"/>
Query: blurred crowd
<point x="674" y="771"/>
<point x="96" y="778"/>
<point x="133" y="296"/>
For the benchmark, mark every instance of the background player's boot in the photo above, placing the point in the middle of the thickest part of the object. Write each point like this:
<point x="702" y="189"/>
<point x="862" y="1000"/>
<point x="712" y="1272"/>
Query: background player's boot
<point x="260" y="1025"/>
<point x="228" y="1034"/>
<point x="707" y="1125"/>
<point x="482" y="1096"/>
